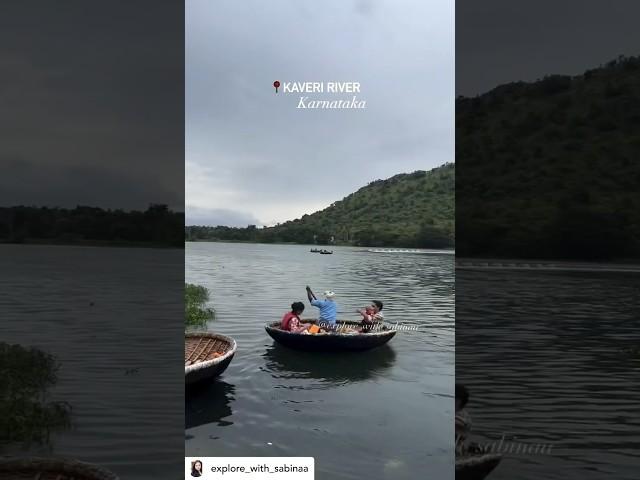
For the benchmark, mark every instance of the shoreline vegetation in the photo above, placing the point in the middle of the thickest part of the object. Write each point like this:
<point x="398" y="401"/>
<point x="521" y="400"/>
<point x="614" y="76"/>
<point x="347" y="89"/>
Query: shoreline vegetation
<point x="409" y="210"/>
<point x="628" y="265"/>
<point x="156" y="227"/>
<point x="197" y="313"/>
<point x="27" y="416"/>
<point x="91" y="243"/>
<point x="335" y="244"/>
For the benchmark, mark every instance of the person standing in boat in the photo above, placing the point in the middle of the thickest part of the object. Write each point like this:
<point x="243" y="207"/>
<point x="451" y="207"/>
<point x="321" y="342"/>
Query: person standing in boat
<point x="328" y="308"/>
<point x="291" y="320"/>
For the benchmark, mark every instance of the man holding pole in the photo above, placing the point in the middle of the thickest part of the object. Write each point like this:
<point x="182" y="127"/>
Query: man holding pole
<point x="328" y="308"/>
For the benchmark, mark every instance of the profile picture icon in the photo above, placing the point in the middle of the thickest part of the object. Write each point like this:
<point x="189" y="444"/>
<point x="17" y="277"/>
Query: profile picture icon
<point x="196" y="468"/>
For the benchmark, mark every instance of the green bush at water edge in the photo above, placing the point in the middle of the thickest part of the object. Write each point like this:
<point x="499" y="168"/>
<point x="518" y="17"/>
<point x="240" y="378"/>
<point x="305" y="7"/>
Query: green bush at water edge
<point x="197" y="314"/>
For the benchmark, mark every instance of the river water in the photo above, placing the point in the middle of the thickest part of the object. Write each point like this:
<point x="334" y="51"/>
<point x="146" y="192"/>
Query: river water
<point x="113" y="317"/>
<point x="382" y="414"/>
<point x="553" y="358"/>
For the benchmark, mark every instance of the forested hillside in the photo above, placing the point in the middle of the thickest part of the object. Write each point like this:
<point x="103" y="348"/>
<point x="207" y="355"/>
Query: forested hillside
<point x="551" y="169"/>
<point x="407" y="210"/>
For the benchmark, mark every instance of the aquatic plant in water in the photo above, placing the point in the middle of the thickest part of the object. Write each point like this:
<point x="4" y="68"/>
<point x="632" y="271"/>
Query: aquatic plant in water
<point x="26" y="416"/>
<point x="197" y="314"/>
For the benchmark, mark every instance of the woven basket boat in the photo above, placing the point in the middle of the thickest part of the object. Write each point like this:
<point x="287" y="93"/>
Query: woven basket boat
<point x="51" y="469"/>
<point x="200" y="359"/>
<point x="331" y="342"/>
<point x="476" y="467"/>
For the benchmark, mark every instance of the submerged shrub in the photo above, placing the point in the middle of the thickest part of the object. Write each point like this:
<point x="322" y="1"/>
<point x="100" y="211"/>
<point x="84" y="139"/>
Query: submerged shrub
<point x="26" y="416"/>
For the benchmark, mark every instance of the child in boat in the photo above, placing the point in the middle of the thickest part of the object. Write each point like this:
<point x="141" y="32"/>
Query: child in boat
<point x="371" y="315"/>
<point x="291" y="320"/>
<point x="368" y="313"/>
<point x="463" y="419"/>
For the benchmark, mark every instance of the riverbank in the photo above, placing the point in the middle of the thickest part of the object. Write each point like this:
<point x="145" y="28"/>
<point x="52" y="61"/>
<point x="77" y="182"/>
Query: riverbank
<point x="547" y="265"/>
<point x="316" y="245"/>
<point x="94" y="243"/>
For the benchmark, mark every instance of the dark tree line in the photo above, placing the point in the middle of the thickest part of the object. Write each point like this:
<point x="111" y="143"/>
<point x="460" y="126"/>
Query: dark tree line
<point x="157" y="226"/>
<point x="428" y="236"/>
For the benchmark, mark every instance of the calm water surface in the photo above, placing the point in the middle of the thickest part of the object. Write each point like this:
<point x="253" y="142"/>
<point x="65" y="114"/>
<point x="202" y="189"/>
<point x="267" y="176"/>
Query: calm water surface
<point x="382" y="414"/>
<point x="548" y="358"/>
<point x="114" y="319"/>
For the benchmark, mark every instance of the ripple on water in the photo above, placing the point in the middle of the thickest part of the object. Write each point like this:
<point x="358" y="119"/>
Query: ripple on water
<point x="105" y="314"/>
<point x="361" y="415"/>
<point x="546" y="358"/>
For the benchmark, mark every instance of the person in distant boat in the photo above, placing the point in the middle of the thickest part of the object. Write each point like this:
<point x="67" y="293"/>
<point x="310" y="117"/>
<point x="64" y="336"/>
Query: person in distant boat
<point x="328" y="308"/>
<point x="291" y="320"/>
<point x="371" y="315"/>
<point x="463" y="419"/>
<point x="196" y="468"/>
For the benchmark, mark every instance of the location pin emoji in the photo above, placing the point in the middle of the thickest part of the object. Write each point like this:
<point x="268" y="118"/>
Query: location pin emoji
<point x="276" y="84"/>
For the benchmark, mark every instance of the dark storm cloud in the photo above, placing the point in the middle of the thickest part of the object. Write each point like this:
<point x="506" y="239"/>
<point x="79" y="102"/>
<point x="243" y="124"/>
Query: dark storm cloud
<point x="500" y="41"/>
<point x="91" y="103"/>
<point x="250" y="150"/>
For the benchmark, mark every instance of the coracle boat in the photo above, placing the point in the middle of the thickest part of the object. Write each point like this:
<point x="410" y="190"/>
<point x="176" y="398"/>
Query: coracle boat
<point x="331" y="342"/>
<point x="51" y="469"/>
<point x="476" y="467"/>
<point x="206" y="355"/>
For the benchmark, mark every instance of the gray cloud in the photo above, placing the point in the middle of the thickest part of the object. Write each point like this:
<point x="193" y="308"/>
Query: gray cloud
<point x="501" y="41"/>
<point x="92" y="104"/>
<point x="219" y="216"/>
<point x="35" y="183"/>
<point x="250" y="150"/>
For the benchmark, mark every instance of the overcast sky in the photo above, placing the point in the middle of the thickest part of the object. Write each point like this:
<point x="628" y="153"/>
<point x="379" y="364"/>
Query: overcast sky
<point x="92" y="95"/>
<point x="91" y="103"/>
<point x="501" y="41"/>
<point x="252" y="157"/>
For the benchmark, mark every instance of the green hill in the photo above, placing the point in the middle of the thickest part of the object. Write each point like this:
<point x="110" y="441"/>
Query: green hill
<point x="407" y="210"/>
<point x="550" y="169"/>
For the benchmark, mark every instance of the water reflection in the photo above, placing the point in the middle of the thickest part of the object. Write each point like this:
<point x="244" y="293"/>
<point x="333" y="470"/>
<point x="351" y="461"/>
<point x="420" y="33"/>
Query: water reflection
<point x="209" y="403"/>
<point x="326" y="370"/>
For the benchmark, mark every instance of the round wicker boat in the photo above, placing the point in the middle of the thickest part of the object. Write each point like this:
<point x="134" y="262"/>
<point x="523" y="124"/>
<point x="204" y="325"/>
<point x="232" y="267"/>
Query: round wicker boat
<point x="331" y="342"/>
<point x="200" y="359"/>
<point x="476" y="467"/>
<point x="51" y="469"/>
